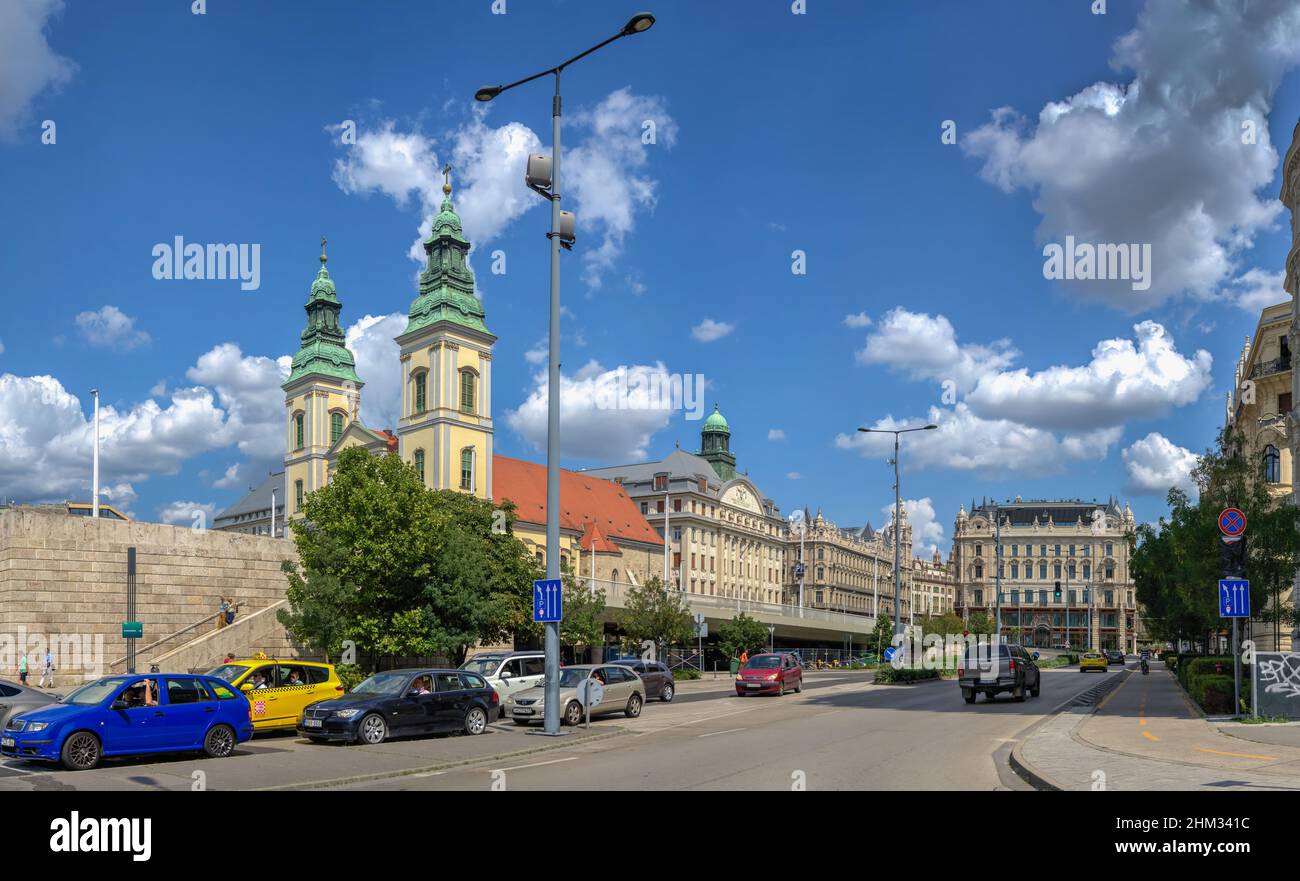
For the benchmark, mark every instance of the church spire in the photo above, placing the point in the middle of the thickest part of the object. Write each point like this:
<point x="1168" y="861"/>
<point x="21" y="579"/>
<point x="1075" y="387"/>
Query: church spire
<point x="322" y="350"/>
<point x="446" y="284"/>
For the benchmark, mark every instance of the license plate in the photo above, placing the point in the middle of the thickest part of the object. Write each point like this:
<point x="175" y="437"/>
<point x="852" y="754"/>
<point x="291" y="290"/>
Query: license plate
<point x="520" y="711"/>
<point x="311" y="723"/>
<point x="6" y="741"/>
<point x="753" y="685"/>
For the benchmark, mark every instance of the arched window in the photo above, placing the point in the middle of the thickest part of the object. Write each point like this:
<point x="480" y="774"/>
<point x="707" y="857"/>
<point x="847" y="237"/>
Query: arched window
<point x="467" y="384"/>
<point x="419" y="391"/>
<point x="979" y="572"/>
<point x="419" y="463"/>
<point x="467" y="468"/>
<point x="613" y="576"/>
<point x="1272" y="465"/>
<point x="299" y="431"/>
<point x="336" y="427"/>
<point x="821" y="573"/>
<point x="297" y="495"/>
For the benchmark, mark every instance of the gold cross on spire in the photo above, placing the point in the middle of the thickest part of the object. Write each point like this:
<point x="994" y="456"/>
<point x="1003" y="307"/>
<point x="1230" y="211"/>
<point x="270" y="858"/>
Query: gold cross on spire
<point x="446" y="179"/>
<point x="322" y="250"/>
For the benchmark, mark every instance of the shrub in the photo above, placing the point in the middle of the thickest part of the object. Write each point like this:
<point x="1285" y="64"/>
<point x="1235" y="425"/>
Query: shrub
<point x="1213" y="693"/>
<point x="886" y="674"/>
<point x="350" y="675"/>
<point x="683" y="674"/>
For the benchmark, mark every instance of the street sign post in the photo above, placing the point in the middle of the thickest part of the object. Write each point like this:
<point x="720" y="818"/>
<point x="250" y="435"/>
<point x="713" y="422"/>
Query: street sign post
<point x="1234" y="603"/>
<point x="548" y="601"/>
<point x="589" y="695"/>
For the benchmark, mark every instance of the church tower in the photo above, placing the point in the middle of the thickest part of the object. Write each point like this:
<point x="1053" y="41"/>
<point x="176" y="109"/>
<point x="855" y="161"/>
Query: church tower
<point x="322" y="394"/>
<point x="715" y="445"/>
<point x="445" y="429"/>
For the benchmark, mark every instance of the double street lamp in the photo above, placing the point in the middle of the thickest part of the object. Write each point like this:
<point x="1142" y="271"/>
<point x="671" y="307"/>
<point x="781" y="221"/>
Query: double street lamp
<point x="546" y="182"/>
<point x="898" y="507"/>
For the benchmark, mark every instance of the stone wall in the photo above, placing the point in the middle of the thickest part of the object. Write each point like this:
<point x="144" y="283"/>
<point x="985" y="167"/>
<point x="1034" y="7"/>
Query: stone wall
<point x="66" y="575"/>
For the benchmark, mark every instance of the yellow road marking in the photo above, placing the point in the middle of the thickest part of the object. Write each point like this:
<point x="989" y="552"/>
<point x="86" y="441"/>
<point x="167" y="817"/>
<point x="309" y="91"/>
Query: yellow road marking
<point x="1149" y="736"/>
<point x="1237" y="755"/>
<point x="1142" y="722"/>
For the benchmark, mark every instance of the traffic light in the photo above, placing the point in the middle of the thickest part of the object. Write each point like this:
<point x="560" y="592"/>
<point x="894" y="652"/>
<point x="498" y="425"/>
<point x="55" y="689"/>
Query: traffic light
<point x="1058" y="591"/>
<point x="1232" y="557"/>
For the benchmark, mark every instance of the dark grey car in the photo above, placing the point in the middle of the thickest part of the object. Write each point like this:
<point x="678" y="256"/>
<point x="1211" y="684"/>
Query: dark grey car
<point x="658" y="678"/>
<point x="992" y="669"/>
<point x="15" y="698"/>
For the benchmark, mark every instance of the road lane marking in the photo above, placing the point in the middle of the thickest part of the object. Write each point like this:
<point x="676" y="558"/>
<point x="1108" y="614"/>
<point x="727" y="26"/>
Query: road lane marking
<point x="1219" y="752"/>
<point x="1149" y="736"/>
<point x="534" y="765"/>
<point x="716" y="733"/>
<point x="1142" y="722"/>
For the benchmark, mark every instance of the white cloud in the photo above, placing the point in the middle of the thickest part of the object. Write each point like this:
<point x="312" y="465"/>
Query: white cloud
<point x="709" y="330"/>
<point x="1155" y="464"/>
<point x="249" y="389"/>
<point x="775" y="434"/>
<point x="371" y="341"/>
<point x="926" y="347"/>
<point x="861" y="319"/>
<point x="110" y="328"/>
<point x="591" y="426"/>
<point x="182" y="513"/>
<point x="793" y="475"/>
<point x="1256" y="289"/>
<point x="1159" y="160"/>
<point x="1122" y="382"/>
<point x="985" y="447"/>
<point x="927" y="531"/>
<point x="28" y="66"/>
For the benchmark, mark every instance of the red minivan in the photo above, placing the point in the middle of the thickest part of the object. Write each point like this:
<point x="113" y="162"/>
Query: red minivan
<point x="770" y="674"/>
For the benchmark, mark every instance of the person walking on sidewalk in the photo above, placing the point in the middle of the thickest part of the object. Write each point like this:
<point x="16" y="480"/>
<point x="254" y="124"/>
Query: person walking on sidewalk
<point x="47" y="671"/>
<point x="223" y="610"/>
<point x="22" y="668"/>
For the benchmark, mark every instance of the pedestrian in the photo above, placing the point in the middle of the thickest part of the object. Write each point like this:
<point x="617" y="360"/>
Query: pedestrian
<point x="744" y="657"/>
<point x="22" y="668"/>
<point x="230" y="656"/>
<point x="223" y="607"/>
<point x="48" y="671"/>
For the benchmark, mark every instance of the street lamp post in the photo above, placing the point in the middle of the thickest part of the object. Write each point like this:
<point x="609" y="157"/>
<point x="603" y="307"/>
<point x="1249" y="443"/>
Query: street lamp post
<point x="898" y="507"/>
<point x="94" y="468"/>
<point x="638" y="23"/>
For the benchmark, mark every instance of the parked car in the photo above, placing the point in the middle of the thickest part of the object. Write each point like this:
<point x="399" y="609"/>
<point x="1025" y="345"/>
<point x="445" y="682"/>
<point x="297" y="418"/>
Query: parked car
<point x="508" y="672"/>
<point x="283" y="690"/>
<point x="623" y="692"/>
<point x="1093" y="661"/>
<point x="117" y="716"/>
<point x="1114" y="656"/>
<point x="770" y="673"/>
<point x="15" y="698"/>
<point x="659" y="680"/>
<point x="991" y="669"/>
<point x="400" y="703"/>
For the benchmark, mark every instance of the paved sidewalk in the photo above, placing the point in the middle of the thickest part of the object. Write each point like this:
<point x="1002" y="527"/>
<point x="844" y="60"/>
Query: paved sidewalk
<point x="1146" y="735"/>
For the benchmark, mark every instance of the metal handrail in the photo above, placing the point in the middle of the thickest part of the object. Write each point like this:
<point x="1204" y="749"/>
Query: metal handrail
<point x="197" y="624"/>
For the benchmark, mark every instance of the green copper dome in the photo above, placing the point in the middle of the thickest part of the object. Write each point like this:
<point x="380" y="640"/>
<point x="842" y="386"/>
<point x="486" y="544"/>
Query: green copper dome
<point x="716" y="422"/>
<point x="322" y="351"/>
<point x="446" y="284"/>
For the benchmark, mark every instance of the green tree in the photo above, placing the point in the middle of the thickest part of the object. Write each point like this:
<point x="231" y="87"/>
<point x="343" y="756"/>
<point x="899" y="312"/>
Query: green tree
<point x="978" y="622"/>
<point x="742" y="634"/>
<point x="883" y="636"/>
<point x="402" y="570"/>
<point x="948" y="624"/>
<point x="657" y="614"/>
<point x="583" y="624"/>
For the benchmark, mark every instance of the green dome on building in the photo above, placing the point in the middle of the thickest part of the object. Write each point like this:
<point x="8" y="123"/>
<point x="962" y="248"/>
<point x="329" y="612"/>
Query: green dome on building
<point x="716" y="422"/>
<point x="715" y="445"/>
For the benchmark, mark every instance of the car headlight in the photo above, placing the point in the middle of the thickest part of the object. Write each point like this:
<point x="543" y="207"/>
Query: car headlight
<point x="346" y="714"/>
<point x="38" y="726"/>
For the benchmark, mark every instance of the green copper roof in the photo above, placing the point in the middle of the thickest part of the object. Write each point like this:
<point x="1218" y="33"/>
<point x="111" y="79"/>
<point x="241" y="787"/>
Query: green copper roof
<point x="716" y="422"/>
<point x="446" y="284"/>
<point x="322" y="351"/>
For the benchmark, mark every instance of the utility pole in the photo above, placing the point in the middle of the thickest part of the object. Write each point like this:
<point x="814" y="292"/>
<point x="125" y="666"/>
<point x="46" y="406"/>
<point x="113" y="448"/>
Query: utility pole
<point x="94" y="468"/>
<point x="997" y="571"/>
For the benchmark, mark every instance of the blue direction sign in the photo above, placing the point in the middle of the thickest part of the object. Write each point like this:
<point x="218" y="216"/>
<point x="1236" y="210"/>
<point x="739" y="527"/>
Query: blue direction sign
<point x="548" y="601"/>
<point x="890" y="652"/>
<point x="1234" y="598"/>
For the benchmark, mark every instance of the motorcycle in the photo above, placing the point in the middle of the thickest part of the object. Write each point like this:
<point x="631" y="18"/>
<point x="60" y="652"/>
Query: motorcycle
<point x="1145" y="668"/>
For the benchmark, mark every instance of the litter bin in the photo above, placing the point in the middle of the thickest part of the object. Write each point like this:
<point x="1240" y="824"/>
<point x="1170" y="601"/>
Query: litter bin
<point x="735" y="666"/>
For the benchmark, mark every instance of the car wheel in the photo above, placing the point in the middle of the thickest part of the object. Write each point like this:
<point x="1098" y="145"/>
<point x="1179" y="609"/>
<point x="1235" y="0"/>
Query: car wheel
<point x="373" y="730"/>
<point x="990" y="695"/>
<point x="220" y="742"/>
<point x="633" y="708"/>
<point x="1037" y="687"/>
<point x="475" y="721"/>
<point x="799" y="687"/>
<point x="573" y="713"/>
<point x="968" y="695"/>
<point x="666" y="694"/>
<point x="80" y="751"/>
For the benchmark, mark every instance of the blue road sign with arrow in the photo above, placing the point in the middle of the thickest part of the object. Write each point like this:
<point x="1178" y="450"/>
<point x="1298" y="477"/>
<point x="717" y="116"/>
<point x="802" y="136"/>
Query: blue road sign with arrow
<point x="548" y="601"/>
<point x="1234" y="598"/>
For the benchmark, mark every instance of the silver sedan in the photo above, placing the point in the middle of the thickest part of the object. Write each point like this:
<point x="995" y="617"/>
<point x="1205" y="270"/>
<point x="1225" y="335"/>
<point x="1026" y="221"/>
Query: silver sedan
<point x="15" y="699"/>
<point x="621" y="691"/>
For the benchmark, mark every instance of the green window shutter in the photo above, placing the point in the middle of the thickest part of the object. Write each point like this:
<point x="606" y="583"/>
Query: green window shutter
<point x="420" y="384"/>
<point x="336" y="427"/>
<point x="297" y="495"/>
<point x="298" y="433"/>
<point x="419" y="463"/>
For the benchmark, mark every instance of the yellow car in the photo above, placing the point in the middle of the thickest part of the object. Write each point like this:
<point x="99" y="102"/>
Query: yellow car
<point x="1090" y="661"/>
<point x="278" y="691"/>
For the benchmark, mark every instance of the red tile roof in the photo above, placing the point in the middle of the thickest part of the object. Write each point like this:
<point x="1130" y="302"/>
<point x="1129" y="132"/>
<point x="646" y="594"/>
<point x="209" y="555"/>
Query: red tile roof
<point x="599" y="509"/>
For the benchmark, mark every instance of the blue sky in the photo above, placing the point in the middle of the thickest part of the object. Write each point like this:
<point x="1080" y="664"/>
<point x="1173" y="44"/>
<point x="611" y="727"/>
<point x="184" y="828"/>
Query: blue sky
<point x="775" y="132"/>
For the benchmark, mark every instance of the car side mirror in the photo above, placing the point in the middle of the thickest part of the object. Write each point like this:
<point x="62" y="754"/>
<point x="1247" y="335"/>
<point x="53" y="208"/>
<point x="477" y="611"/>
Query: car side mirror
<point x="247" y="686"/>
<point x="119" y="705"/>
<point x="506" y="674"/>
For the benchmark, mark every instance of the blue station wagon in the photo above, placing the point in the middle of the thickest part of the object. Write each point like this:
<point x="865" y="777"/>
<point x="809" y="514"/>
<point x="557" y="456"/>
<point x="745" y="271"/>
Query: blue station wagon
<point x="132" y="715"/>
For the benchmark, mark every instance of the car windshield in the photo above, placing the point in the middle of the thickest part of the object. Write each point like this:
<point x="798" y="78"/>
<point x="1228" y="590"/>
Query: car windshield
<point x="482" y="666"/>
<point x="228" y="672"/>
<point x="571" y="677"/>
<point x="382" y="683"/>
<point x="95" y="692"/>
<point x="764" y="662"/>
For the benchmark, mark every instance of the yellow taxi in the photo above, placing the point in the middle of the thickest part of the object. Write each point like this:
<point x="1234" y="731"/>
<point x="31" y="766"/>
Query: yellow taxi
<point x="1090" y="661"/>
<point x="277" y="690"/>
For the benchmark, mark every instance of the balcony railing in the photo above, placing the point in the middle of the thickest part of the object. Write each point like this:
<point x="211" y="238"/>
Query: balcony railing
<point x="1268" y="368"/>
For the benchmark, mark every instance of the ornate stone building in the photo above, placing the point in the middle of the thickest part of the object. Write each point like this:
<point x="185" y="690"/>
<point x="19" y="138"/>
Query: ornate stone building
<point x="847" y="569"/>
<point x="1081" y="546"/>
<point x="726" y="538"/>
<point x="1260" y="404"/>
